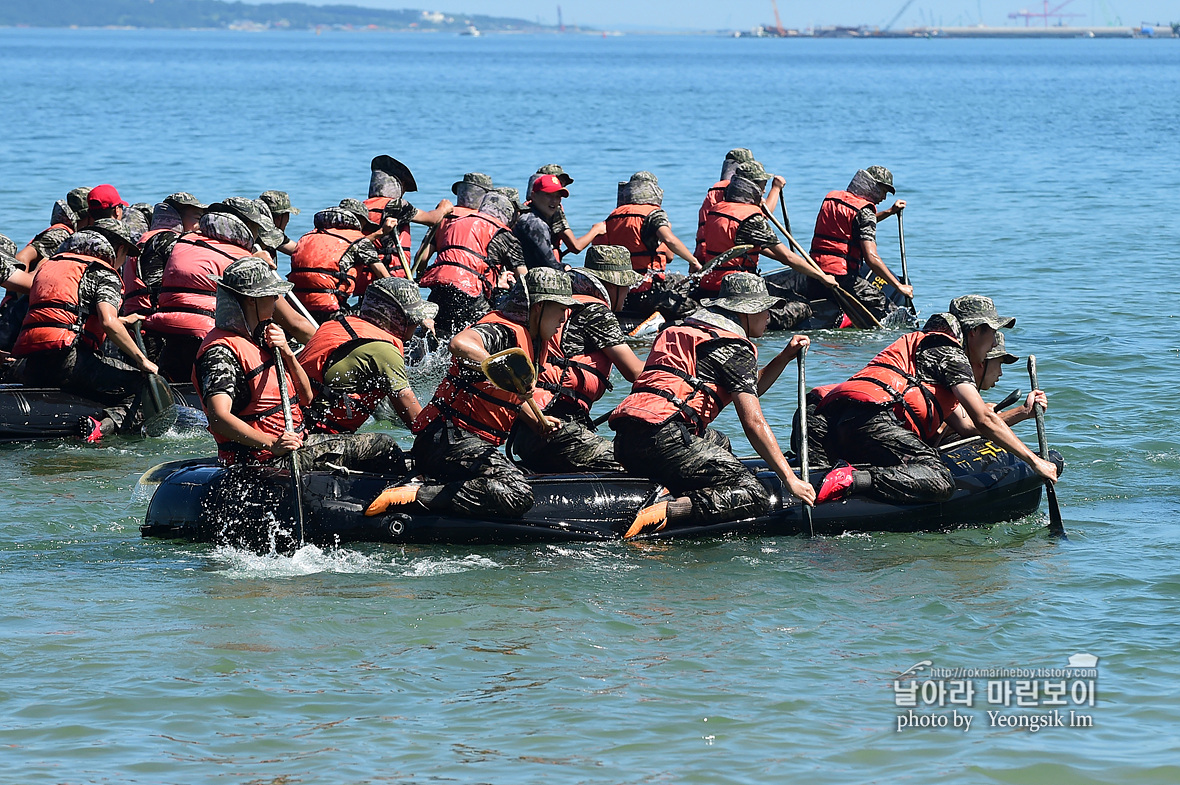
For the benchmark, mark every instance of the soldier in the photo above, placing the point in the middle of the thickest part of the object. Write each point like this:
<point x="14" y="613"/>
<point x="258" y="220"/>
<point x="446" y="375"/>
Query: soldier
<point x="459" y="432"/>
<point x="469" y="192"/>
<point x="389" y="182"/>
<point x="279" y="205"/>
<point x="73" y="308"/>
<point x="68" y="216"/>
<point x="534" y="229"/>
<point x="12" y="277"/>
<point x="177" y="214"/>
<point x="239" y="387"/>
<point x="355" y="362"/>
<point x="846" y="234"/>
<point x="475" y="253"/>
<point x="592" y="343"/>
<point x="693" y="371"/>
<point x="888" y="414"/>
<point x="329" y="259"/>
<point x="716" y="193"/>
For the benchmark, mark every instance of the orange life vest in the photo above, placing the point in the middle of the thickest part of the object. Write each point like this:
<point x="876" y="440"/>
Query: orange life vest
<point x="831" y="245"/>
<point x="385" y="247"/>
<point x="480" y="407"/>
<point x="188" y="294"/>
<point x="624" y="226"/>
<point x="315" y="268"/>
<point x="713" y="196"/>
<point x="584" y="378"/>
<point x="335" y="411"/>
<point x="264" y="412"/>
<point x="721" y="225"/>
<point x="668" y="387"/>
<point x="137" y="297"/>
<point x="891" y="378"/>
<point x="462" y="260"/>
<point x="54" y="320"/>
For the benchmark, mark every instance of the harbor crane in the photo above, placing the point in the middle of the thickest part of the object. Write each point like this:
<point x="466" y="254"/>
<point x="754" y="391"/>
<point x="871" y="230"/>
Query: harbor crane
<point x="1055" y="12"/>
<point x="897" y="16"/>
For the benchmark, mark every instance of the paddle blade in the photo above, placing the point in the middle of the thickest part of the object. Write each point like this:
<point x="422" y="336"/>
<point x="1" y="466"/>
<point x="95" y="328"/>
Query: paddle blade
<point x="510" y="370"/>
<point x="162" y="471"/>
<point x="1056" y="525"/>
<point x="158" y="406"/>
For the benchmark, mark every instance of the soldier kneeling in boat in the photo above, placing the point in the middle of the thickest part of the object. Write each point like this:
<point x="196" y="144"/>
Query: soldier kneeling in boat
<point x="692" y="373"/>
<point x="460" y="431"/>
<point x="238" y="382"/>
<point x="355" y="362"/>
<point x="888" y="414"/>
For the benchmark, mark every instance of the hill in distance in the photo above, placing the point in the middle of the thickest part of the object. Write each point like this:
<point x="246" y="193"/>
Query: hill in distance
<point x="216" y="14"/>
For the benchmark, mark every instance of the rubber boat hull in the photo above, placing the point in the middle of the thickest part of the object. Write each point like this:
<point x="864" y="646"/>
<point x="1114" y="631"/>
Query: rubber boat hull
<point x="197" y="503"/>
<point x="826" y="315"/>
<point x="36" y="413"/>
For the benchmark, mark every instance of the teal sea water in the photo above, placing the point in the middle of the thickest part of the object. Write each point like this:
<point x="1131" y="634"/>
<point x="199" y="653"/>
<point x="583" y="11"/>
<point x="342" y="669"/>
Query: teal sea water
<point x="1038" y="172"/>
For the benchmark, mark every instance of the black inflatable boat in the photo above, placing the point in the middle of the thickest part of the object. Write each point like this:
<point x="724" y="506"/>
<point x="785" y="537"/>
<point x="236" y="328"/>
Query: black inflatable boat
<point x="35" y="413"/>
<point x="201" y="502"/>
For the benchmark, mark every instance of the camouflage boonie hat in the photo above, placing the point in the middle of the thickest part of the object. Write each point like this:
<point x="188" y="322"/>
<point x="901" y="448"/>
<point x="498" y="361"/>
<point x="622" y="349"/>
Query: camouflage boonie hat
<point x="555" y="169"/>
<point x="998" y="351"/>
<point x="243" y="208"/>
<point x="394" y="168"/>
<point x="644" y="176"/>
<point x="473" y="178"/>
<point x="973" y="310"/>
<point x="612" y="264"/>
<point x="403" y="293"/>
<point x="278" y="202"/>
<point x="252" y="277"/>
<point x="544" y="284"/>
<point x="184" y="199"/>
<point x="118" y="232"/>
<point x="79" y="200"/>
<point x="743" y="293"/>
<point x="138" y="217"/>
<point x="513" y="195"/>
<point x="882" y="176"/>
<point x="740" y="155"/>
<point x="62" y="213"/>
<point x="752" y="171"/>
<point x="7" y="246"/>
<point x="357" y="208"/>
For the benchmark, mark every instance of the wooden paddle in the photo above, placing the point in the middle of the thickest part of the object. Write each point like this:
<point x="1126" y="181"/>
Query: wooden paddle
<point x="1056" y="526"/>
<point x="401" y="256"/>
<point x="296" y="485"/>
<point x="859" y="315"/>
<point x="905" y="270"/>
<point x="421" y="256"/>
<point x="512" y="371"/>
<point x="803" y="450"/>
<point x="720" y="258"/>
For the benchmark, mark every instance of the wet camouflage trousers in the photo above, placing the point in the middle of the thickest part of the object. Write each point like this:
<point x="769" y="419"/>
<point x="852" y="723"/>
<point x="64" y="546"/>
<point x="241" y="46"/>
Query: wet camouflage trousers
<point x="902" y="466"/>
<point x="574" y="448"/>
<point x="703" y="469"/>
<point x="467" y="475"/>
<point x="362" y="452"/>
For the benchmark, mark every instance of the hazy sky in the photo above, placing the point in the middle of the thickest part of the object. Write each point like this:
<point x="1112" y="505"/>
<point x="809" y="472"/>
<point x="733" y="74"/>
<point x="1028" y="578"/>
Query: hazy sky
<point x="744" y="14"/>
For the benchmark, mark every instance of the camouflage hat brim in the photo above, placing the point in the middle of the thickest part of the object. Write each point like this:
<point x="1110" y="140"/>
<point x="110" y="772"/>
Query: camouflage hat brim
<point x="1007" y="358"/>
<point x="184" y="199"/>
<point x="624" y="278"/>
<point x="394" y="167"/>
<point x="550" y="297"/>
<point x="420" y="311"/>
<point x="274" y="287"/>
<point x="747" y="304"/>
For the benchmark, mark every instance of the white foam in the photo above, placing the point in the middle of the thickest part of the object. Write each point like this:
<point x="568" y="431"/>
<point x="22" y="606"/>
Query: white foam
<point x="428" y="566"/>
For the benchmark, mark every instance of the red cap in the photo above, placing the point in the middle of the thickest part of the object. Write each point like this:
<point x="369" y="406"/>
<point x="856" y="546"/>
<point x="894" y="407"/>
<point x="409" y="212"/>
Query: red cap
<point x="105" y="197"/>
<point x="549" y="184"/>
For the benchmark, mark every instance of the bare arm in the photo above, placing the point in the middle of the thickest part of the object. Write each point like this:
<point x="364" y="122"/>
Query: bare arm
<point x="223" y="422"/>
<point x="117" y="332"/>
<point x="19" y="282"/>
<point x="432" y="217"/>
<point x="625" y="360"/>
<point x="293" y="321"/>
<point x="879" y="267"/>
<point x="677" y="247"/>
<point x="962" y="425"/>
<point x="990" y="425"/>
<point x="773" y="369"/>
<point x="405" y="403"/>
<point x="749" y="412"/>
<point x="28" y="256"/>
<point x="276" y="339"/>
<point x="578" y="244"/>
<point x="776" y="188"/>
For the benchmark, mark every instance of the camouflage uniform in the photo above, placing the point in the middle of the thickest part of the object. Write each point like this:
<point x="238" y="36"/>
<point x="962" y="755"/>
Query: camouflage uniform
<point x="536" y="241"/>
<point x="8" y="262"/>
<point x="900" y="466"/>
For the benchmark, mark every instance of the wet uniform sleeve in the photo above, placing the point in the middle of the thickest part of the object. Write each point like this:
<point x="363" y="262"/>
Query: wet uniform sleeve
<point x="218" y="371"/>
<point x="154" y="256"/>
<point x="373" y="366"/>
<point x="48" y="241"/>
<point x="496" y="337"/>
<point x="362" y="254"/>
<point x="756" y="230"/>
<point x="600" y="328"/>
<point x="864" y="225"/>
<point x="504" y="251"/>
<point x="400" y="209"/>
<point x="100" y="285"/>
<point x="945" y="365"/>
<point x="731" y="365"/>
<point x="649" y="233"/>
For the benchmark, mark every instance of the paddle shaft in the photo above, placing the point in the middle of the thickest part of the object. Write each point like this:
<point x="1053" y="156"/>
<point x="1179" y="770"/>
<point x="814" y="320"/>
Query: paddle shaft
<point x="288" y="423"/>
<point x="782" y="202"/>
<point x="401" y="257"/>
<point x="856" y="310"/>
<point x="421" y="256"/>
<point x="1056" y="526"/>
<point x="905" y="268"/>
<point x="803" y="450"/>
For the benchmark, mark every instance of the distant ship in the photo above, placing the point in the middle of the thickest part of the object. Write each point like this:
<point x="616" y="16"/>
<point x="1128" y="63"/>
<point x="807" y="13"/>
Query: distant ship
<point x="471" y="30"/>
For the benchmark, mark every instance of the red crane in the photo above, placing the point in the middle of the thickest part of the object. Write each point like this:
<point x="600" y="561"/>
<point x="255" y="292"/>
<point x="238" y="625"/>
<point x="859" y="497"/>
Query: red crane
<point x="1054" y="12"/>
<point x="778" y="22"/>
